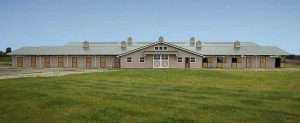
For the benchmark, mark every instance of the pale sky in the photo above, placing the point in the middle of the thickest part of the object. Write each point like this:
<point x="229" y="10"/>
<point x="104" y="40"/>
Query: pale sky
<point x="56" y="22"/>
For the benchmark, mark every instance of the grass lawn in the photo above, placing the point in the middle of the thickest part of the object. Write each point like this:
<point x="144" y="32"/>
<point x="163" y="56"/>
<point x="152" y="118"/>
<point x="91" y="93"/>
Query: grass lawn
<point x="154" y="96"/>
<point x="5" y="60"/>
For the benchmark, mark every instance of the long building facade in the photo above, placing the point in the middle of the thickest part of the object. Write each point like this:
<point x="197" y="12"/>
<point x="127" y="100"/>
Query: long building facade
<point x="157" y="54"/>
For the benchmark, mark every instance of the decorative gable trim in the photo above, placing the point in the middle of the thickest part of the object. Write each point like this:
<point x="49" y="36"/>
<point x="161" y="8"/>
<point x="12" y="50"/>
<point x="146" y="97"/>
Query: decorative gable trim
<point x="159" y="42"/>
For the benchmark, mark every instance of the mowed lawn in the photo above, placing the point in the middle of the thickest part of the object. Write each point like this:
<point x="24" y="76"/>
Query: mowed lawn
<point x="154" y="96"/>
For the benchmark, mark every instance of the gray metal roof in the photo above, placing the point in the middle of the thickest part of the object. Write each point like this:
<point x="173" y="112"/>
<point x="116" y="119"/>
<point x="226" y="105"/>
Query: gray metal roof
<point x="114" y="48"/>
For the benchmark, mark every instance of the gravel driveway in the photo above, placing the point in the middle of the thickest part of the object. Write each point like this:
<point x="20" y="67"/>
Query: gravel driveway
<point x="8" y="72"/>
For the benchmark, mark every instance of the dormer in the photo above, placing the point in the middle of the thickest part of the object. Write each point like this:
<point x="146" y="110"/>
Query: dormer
<point x="86" y="45"/>
<point x="123" y="44"/>
<point x="161" y="39"/>
<point x="198" y="44"/>
<point x="129" y="41"/>
<point x="237" y="44"/>
<point x="192" y="41"/>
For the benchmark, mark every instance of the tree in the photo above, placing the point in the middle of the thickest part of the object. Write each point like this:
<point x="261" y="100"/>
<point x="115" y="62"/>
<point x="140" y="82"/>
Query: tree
<point x="2" y="53"/>
<point x="8" y="50"/>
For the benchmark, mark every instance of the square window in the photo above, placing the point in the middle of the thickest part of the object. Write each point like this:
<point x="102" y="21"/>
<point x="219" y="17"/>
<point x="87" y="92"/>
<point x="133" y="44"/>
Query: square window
<point x="179" y="59"/>
<point x="205" y="60"/>
<point x="129" y="59"/>
<point x="193" y="59"/>
<point x="220" y="59"/>
<point x="142" y="59"/>
<point x="165" y="48"/>
<point x="156" y="48"/>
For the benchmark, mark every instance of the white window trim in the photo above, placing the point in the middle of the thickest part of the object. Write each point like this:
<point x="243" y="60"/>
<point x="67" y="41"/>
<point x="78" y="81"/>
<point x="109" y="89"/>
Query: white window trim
<point x="181" y="59"/>
<point x="193" y="61"/>
<point x="130" y="61"/>
<point x="165" y="48"/>
<point x="140" y="60"/>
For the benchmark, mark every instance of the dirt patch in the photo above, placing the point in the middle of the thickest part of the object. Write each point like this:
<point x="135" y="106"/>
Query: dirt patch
<point x="8" y="72"/>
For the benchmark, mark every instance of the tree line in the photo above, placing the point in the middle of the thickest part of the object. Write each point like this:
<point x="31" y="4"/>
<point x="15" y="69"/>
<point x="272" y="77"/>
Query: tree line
<point x="7" y="50"/>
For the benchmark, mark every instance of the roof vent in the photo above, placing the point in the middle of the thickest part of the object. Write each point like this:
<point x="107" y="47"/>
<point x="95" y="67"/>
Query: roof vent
<point x="198" y="44"/>
<point x="161" y="39"/>
<point x="237" y="44"/>
<point x="123" y="44"/>
<point x="129" y="41"/>
<point x="86" y="45"/>
<point x="192" y="41"/>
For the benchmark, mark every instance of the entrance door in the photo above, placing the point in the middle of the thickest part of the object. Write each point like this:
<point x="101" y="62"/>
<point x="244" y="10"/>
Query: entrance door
<point x="160" y="61"/>
<point x="88" y="62"/>
<point x="187" y="62"/>
<point x="46" y="61"/>
<point x="74" y="62"/>
<point x="102" y="62"/>
<point x="19" y="61"/>
<point x="277" y="62"/>
<point x="116" y="63"/>
<point x="60" y="61"/>
<point x="33" y="61"/>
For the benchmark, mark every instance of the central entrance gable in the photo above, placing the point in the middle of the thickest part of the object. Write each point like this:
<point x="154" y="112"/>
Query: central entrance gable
<point x="157" y="55"/>
<point x="161" y="61"/>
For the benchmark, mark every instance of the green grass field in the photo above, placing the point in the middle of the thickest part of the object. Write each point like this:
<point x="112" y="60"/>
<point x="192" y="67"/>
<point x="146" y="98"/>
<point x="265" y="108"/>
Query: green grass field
<point x="154" y="96"/>
<point x="5" y="60"/>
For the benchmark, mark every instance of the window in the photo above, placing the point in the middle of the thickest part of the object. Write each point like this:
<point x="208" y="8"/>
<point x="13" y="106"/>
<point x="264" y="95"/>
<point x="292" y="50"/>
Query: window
<point x="220" y="59"/>
<point x="160" y="48"/>
<point x="142" y="59"/>
<point x="234" y="60"/>
<point x="179" y="59"/>
<point x="129" y="59"/>
<point x="205" y="60"/>
<point x="193" y="59"/>
<point x="165" y="48"/>
<point x="156" y="48"/>
<point x="156" y="57"/>
<point x="164" y="57"/>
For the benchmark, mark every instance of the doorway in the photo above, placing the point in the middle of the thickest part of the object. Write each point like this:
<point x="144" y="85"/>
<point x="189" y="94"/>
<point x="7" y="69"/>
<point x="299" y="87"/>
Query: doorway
<point x="187" y="62"/>
<point x="47" y="61"/>
<point x="88" y="62"/>
<point x="277" y="62"/>
<point x="116" y="63"/>
<point x="102" y="62"/>
<point x="160" y="61"/>
<point x="33" y="61"/>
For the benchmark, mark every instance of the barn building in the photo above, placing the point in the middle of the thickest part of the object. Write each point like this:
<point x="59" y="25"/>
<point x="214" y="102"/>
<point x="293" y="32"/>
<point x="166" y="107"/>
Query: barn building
<point x="158" y="54"/>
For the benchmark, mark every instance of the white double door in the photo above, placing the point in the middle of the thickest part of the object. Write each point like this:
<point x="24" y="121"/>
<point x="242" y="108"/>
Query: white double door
<point x="160" y="61"/>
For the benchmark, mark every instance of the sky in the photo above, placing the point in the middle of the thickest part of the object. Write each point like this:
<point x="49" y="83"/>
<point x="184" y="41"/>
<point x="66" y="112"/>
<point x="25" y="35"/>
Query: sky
<point x="56" y="22"/>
